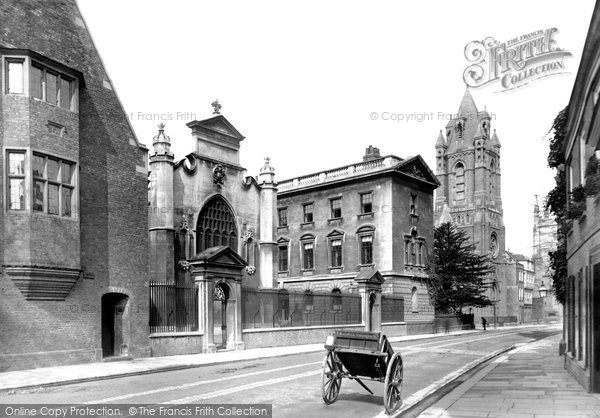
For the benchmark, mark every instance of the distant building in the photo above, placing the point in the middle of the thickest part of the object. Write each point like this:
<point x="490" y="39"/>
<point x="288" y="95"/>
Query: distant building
<point x="73" y="225"/>
<point x="470" y="196"/>
<point x="525" y="275"/>
<point x="546" y="309"/>
<point x="582" y="152"/>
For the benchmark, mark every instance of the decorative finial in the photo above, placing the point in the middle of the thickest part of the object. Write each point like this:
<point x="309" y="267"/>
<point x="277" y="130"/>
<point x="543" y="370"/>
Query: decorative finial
<point x="216" y="107"/>
<point x="161" y="137"/>
<point x="267" y="167"/>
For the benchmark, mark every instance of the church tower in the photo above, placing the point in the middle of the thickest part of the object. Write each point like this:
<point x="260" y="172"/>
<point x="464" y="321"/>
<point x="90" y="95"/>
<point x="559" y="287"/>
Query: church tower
<point x="468" y="169"/>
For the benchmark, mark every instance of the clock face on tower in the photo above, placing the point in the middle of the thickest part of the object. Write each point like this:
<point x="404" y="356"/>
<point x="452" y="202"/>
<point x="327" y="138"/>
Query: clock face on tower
<point x="494" y="246"/>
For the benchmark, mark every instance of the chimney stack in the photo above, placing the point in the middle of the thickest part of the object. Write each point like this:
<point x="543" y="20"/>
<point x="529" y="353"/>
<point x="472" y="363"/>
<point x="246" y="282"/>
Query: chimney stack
<point x="371" y="153"/>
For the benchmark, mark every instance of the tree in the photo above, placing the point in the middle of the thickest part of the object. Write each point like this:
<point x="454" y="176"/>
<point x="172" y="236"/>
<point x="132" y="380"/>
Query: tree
<point x="556" y="203"/>
<point x="458" y="276"/>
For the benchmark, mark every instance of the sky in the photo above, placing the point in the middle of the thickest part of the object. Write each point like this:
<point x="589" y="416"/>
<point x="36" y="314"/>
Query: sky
<point x="302" y="80"/>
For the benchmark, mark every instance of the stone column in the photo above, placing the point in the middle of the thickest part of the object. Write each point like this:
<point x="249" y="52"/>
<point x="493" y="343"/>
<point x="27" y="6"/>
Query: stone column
<point x="205" y="311"/>
<point x="268" y="213"/>
<point x="160" y="218"/>
<point x="238" y="326"/>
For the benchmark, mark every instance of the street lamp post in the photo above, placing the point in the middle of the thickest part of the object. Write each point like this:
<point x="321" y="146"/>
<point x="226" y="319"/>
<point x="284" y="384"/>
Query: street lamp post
<point x="543" y="290"/>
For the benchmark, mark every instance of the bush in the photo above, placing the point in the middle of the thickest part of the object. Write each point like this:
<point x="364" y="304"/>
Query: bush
<point x="592" y="177"/>
<point x="577" y="203"/>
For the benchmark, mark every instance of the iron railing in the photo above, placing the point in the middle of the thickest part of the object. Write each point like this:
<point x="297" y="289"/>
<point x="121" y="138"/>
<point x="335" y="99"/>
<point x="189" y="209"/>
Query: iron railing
<point x="392" y="308"/>
<point x="173" y="307"/>
<point x="280" y="308"/>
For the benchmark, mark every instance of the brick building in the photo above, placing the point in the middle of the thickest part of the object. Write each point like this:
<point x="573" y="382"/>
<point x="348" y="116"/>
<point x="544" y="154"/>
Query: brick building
<point x="470" y="196"/>
<point x="582" y="154"/>
<point x="73" y="230"/>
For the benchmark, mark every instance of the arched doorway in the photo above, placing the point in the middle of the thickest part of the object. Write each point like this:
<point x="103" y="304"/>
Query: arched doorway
<point x="216" y="226"/>
<point x="115" y="325"/>
<point x="221" y="295"/>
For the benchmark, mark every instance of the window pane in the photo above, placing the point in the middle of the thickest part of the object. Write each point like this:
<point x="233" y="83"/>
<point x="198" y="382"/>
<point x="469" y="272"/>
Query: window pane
<point x="36" y="83"/>
<point x="15" y="77"/>
<point x="51" y="87"/>
<point x="336" y="208"/>
<point x="366" y="200"/>
<point x="65" y="93"/>
<point x="38" y="166"/>
<point x="53" y="199"/>
<point x="66" y="173"/>
<point x="16" y="164"/>
<point x="38" y="195"/>
<point x="66" y="201"/>
<point x="53" y="169"/>
<point x="282" y="217"/>
<point x="308" y="213"/>
<point x="283" y="259"/>
<point x="16" y="194"/>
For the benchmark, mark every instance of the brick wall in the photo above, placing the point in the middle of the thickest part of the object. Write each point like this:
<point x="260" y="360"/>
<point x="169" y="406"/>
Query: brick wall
<point x="109" y="242"/>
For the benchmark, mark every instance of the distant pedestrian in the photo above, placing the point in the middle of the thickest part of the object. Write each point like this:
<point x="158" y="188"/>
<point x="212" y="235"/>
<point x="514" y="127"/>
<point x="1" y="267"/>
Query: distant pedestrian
<point x="483" y="322"/>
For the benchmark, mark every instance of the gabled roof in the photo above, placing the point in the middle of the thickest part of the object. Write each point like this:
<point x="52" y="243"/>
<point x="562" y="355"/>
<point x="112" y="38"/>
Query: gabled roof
<point x="220" y="255"/>
<point x="417" y="167"/>
<point x="369" y="276"/>
<point x="218" y="124"/>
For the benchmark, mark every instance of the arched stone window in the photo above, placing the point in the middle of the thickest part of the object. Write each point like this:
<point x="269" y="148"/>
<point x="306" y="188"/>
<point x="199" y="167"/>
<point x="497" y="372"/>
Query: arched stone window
<point x="459" y="180"/>
<point x="491" y="177"/>
<point x="415" y="299"/>
<point x="216" y="225"/>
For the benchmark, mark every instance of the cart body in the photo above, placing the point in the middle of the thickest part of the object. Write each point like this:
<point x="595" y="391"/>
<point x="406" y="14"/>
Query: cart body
<point x="362" y="354"/>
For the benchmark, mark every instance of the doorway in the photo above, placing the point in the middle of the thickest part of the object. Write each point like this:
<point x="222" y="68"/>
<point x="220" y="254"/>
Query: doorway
<point x="115" y="327"/>
<point x="220" y="299"/>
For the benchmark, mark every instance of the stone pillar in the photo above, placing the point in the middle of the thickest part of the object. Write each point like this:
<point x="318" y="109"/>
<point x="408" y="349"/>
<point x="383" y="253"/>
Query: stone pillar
<point x="369" y="286"/>
<point x="205" y="311"/>
<point x="239" y="338"/>
<point x="268" y="214"/>
<point x="160" y="218"/>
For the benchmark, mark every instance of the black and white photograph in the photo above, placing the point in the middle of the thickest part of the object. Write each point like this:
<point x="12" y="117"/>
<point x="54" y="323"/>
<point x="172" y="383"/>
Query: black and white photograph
<point x="299" y="209"/>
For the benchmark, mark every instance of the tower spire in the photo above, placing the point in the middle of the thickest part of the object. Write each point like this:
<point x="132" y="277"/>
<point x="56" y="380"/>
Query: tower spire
<point x="467" y="104"/>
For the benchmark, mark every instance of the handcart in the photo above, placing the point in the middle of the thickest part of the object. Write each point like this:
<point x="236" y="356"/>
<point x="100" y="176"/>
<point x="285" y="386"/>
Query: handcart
<point x="360" y="355"/>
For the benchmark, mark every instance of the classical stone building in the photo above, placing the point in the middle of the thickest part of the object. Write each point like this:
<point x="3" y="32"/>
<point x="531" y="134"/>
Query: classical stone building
<point x="73" y="242"/>
<point x="376" y="214"/>
<point x="240" y="261"/>
<point x="582" y="154"/>
<point x="211" y="229"/>
<point x="470" y="196"/>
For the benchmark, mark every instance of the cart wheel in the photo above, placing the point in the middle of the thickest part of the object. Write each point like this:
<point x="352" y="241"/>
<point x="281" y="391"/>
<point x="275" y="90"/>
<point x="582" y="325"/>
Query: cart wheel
<point x="393" y="384"/>
<point x="332" y="378"/>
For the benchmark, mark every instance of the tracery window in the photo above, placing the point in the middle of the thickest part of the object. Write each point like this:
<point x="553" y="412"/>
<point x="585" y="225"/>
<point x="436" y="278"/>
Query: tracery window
<point x="216" y="226"/>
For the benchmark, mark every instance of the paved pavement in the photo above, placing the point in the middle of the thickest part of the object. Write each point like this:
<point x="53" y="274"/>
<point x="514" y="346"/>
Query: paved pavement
<point x="530" y="381"/>
<point x="48" y="376"/>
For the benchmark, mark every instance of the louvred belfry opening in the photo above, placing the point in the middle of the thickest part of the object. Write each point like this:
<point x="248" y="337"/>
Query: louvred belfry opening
<point x="216" y="226"/>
